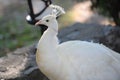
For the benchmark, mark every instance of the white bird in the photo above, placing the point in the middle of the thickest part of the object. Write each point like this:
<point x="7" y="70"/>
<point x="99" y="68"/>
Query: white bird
<point x="74" y="60"/>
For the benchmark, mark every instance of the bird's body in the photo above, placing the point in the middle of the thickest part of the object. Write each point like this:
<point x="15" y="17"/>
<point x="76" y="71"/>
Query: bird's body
<point x="74" y="60"/>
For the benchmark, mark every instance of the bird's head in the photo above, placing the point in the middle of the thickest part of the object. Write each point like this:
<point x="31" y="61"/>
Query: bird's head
<point x="50" y="20"/>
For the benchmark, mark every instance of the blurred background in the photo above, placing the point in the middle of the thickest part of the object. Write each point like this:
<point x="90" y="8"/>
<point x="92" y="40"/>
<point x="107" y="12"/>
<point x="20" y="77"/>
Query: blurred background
<point x="15" y="32"/>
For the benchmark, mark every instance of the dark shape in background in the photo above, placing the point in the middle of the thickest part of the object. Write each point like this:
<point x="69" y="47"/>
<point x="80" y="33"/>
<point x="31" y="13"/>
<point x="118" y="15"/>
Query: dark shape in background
<point x="110" y="8"/>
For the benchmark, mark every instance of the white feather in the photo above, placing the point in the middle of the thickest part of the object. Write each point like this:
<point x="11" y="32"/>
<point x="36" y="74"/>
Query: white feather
<point x="74" y="60"/>
<point x="57" y="10"/>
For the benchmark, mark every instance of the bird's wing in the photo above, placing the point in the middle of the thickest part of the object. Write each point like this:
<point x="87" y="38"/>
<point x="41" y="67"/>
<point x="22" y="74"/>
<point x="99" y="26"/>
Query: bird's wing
<point x="90" y="59"/>
<point x="112" y="53"/>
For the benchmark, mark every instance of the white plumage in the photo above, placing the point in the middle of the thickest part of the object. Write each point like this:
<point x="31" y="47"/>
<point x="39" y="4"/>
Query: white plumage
<point x="74" y="60"/>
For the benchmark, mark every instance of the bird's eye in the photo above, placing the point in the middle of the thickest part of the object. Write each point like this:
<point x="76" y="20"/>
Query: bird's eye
<point x="47" y="20"/>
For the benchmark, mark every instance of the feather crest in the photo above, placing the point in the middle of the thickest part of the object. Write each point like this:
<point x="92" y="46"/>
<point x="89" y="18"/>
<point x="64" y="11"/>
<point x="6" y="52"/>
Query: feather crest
<point x="57" y="10"/>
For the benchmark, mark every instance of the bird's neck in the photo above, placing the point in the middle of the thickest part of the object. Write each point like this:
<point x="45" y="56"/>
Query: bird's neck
<point x="46" y="55"/>
<point x="48" y="42"/>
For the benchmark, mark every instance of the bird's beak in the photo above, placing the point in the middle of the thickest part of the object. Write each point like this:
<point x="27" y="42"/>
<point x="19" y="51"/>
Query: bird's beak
<point x="38" y="23"/>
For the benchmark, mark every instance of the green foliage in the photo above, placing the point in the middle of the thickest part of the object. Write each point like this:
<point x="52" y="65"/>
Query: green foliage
<point x="15" y="32"/>
<point x="13" y="35"/>
<point x="102" y="6"/>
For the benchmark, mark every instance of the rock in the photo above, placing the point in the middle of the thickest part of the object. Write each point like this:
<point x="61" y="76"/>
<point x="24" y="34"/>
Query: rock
<point x="85" y="32"/>
<point x="112" y="39"/>
<point x="107" y="35"/>
<point x="21" y="64"/>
